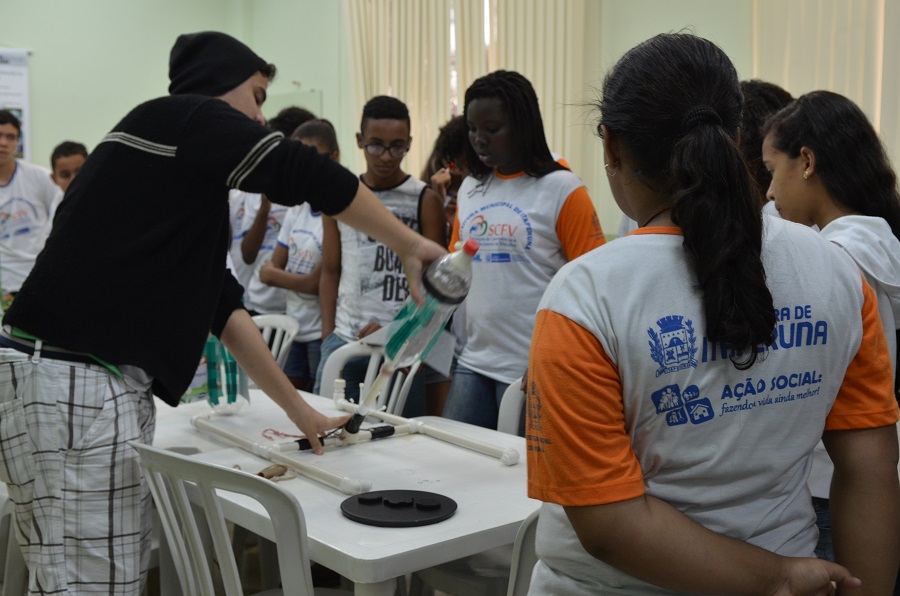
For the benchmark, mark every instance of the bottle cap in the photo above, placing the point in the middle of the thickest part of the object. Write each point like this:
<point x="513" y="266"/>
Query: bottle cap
<point x="470" y="247"/>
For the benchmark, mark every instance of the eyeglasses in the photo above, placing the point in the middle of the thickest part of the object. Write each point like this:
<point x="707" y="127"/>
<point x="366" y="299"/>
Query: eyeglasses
<point x="377" y="150"/>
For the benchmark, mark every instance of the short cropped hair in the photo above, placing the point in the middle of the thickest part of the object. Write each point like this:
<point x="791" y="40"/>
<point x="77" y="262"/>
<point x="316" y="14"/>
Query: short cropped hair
<point x="67" y="149"/>
<point x="7" y="117"/>
<point x="383" y="107"/>
<point x="318" y="130"/>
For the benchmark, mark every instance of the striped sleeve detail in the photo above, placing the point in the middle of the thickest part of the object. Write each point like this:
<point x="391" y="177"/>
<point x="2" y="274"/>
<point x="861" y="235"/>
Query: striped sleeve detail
<point x="140" y="144"/>
<point x="252" y="159"/>
<point x="866" y="397"/>
<point x="579" y="451"/>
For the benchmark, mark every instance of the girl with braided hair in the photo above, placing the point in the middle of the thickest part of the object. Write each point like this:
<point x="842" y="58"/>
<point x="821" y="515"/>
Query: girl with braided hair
<point x="530" y="215"/>
<point x="680" y="377"/>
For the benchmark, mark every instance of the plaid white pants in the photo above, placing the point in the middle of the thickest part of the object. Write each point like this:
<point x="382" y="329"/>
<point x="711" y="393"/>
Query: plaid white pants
<point x="82" y="512"/>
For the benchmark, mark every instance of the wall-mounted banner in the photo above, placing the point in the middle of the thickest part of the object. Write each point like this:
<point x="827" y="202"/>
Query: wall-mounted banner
<point x="14" y="92"/>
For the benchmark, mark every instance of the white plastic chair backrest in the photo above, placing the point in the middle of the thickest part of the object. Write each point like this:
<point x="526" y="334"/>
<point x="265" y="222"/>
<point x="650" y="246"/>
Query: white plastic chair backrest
<point x="336" y="361"/>
<point x="170" y="477"/>
<point x="524" y="556"/>
<point x="511" y="408"/>
<point x="392" y="398"/>
<point x="278" y="331"/>
<point x="401" y="383"/>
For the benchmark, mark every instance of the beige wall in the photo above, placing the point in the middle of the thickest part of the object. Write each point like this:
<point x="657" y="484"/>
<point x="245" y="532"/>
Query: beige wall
<point x="625" y="23"/>
<point x="94" y="60"/>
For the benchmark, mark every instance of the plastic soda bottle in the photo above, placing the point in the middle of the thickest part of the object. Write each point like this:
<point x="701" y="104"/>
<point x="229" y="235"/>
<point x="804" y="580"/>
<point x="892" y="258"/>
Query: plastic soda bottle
<point x="416" y="328"/>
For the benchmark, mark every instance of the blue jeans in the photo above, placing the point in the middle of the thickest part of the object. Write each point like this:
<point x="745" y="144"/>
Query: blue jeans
<point x="825" y="547"/>
<point x="303" y="359"/>
<point x="354" y="370"/>
<point x="474" y="398"/>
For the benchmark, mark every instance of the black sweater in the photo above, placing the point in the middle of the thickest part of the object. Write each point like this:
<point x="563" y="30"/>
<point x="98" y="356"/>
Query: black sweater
<point x="134" y="269"/>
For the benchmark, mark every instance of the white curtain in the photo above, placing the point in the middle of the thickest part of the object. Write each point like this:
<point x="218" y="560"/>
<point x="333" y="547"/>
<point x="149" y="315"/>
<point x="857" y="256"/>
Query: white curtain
<point x="846" y="46"/>
<point x="401" y="48"/>
<point x="890" y="86"/>
<point x="544" y="40"/>
<point x="471" y="49"/>
<point x="554" y="43"/>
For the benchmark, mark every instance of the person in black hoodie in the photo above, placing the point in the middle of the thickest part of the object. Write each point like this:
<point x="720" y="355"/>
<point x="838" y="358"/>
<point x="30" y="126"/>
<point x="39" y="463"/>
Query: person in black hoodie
<point x="121" y="300"/>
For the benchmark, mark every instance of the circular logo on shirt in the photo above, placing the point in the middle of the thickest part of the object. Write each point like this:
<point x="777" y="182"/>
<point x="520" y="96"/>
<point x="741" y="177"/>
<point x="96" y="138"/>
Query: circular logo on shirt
<point x="478" y="227"/>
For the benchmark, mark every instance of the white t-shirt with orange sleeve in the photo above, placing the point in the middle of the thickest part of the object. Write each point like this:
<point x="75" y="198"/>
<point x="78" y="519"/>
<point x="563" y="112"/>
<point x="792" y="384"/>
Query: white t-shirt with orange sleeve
<point x="527" y="228"/>
<point x="628" y="396"/>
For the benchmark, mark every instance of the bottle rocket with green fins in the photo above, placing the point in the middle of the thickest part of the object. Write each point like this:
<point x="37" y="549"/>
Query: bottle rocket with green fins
<point x="227" y="387"/>
<point x="416" y="329"/>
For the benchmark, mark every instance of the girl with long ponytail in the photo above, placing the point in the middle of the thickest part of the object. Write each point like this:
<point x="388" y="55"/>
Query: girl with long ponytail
<point x="680" y="377"/>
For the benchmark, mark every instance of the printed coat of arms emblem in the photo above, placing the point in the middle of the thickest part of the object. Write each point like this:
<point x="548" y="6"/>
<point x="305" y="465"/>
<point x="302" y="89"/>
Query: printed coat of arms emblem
<point x="674" y="347"/>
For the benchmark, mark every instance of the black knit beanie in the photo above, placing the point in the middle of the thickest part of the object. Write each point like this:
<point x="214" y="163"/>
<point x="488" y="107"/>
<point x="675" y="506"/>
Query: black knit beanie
<point x="210" y="63"/>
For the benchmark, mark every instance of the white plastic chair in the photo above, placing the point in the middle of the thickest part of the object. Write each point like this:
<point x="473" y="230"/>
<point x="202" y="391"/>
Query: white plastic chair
<point x="510" y="414"/>
<point x="486" y="573"/>
<point x="393" y="396"/>
<point x="13" y="572"/>
<point x="5" y="525"/>
<point x="524" y="556"/>
<point x="278" y="331"/>
<point x="171" y="476"/>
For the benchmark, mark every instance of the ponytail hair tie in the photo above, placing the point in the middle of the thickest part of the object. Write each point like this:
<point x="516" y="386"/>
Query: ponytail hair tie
<point x="699" y="115"/>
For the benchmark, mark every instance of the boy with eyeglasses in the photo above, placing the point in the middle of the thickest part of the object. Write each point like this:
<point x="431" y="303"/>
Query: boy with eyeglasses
<point x="362" y="285"/>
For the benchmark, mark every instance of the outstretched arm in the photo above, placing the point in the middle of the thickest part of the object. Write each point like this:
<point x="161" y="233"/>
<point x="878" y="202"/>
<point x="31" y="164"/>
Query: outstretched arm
<point x="367" y="214"/>
<point x="242" y="338"/>
<point x="330" y="277"/>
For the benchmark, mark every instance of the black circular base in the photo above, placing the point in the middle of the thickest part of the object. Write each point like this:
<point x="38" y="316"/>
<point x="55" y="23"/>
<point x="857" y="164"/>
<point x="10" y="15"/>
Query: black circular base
<point x="398" y="508"/>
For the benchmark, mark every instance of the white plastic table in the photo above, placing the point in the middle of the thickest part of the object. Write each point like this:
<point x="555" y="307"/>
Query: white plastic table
<point x="491" y="498"/>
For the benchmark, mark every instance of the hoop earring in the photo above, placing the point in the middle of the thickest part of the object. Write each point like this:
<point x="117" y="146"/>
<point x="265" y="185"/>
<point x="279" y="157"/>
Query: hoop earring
<point x="806" y="174"/>
<point x="611" y="171"/>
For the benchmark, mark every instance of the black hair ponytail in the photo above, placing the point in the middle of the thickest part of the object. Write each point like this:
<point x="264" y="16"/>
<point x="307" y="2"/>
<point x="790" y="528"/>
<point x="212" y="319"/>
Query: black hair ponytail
<point x="714" y="203"/>
<point x="674" y="102"/>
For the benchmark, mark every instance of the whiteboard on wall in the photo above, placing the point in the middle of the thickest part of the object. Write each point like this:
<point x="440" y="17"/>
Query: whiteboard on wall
<point x="14" y="93"/>
<point x="310" y="99"/>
